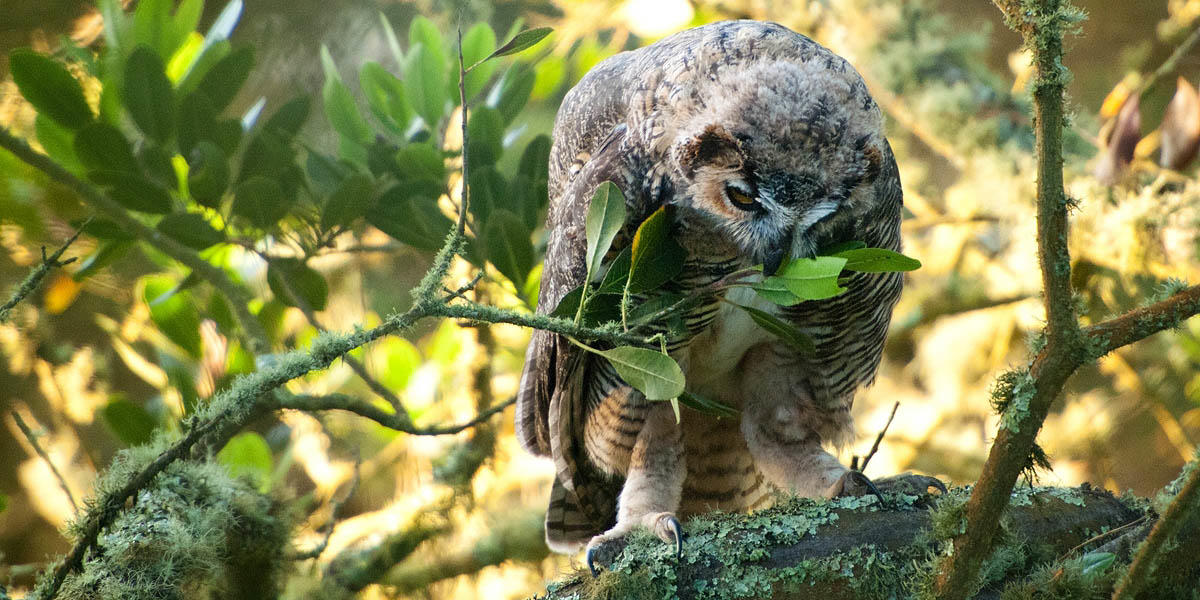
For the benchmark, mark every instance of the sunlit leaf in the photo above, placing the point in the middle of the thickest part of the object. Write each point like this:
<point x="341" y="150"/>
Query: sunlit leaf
<point x="654" y="374"/>
<point x="150" y="25"/>
<point x="57" y="141"/>
<point x="656" y="256"/>
<point x="397" y="360"/>
<point x="508" y="246"/>
<point x="477" y="43"/>
<point x="521" y="41"/>
<point x="50" y="88"/>
<point x="190" y="229"/>
<point x="877" y="260"/>
<point x="549" y="75"/>
<point x="173" y="312"/>
<point x="206" y="58"/>
<point x="385" y="97"/>
<point x="605" y="217"/>
<point x="803" y="279"/>
<point x="60" y="294"/>
<point x="129" y="422"/>
<point x="248" y="455"/>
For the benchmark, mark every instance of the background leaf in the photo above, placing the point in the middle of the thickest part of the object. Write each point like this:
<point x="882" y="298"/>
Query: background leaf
<point x="50" y="88"/>
<point x="248" y="455"/>
<point x="130" y="422"/>
<point x="349" y="202"/>
<point x="508" y="246"/>
<point x="190" y="229"/>
<point x="147" y="94"/>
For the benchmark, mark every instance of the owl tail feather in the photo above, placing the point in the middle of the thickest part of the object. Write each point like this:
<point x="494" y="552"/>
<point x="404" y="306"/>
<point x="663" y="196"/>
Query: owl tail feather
<point x="567" y="526"/>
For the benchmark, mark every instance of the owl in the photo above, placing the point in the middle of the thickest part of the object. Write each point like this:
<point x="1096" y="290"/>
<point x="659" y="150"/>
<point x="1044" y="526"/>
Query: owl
<point x="763" y="145"/>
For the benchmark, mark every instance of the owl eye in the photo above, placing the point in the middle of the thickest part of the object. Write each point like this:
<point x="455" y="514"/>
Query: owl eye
<point x="740" y="197"/>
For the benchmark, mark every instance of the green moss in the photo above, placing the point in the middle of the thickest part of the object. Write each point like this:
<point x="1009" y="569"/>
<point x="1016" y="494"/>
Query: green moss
<point x="194" y="532"/>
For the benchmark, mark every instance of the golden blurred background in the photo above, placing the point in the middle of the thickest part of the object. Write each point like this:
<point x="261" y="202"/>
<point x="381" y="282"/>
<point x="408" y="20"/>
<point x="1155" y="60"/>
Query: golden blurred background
<point x="954" y="85"/>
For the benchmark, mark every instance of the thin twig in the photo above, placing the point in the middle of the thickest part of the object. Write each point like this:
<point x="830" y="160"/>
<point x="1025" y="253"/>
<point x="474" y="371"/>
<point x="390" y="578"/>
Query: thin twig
<point x="879" y="438"/>
<point x="238" y="297"/>
<point x="1168" y="66"/>
<point x="382" y="417"/>
<point x="334" y="507"/>
<point x="37" y="447"/>
<point x="34" y="279"/>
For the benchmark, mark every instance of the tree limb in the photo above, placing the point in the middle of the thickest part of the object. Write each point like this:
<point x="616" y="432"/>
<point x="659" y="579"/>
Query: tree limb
<point x="382" y="417"/>
<point x="1157" y="551"/>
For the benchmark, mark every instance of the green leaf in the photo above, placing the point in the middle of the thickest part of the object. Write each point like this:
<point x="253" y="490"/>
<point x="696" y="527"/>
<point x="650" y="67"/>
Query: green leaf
<point x="224" y="24"/>
<point x="423" y="31"/>
<point x="103" y="229"/>
<point x="50" y="88"/>
<point x="185" y="21"/>
<point x="58" y="141"/>
<point x="105" y="254"/>
<point x="129" y="422"/>
<point x="173" y="311"/>
<point x="605" y="216"/>
<point x="521" y="41"/>
<point x="420" y="162"/>
<point x="101" y="147"/>
<point x="197" y="120"/>
<point x="261" y="201"/>
<point x="208" y="174"/>
<point x="138" y="193"/>
<point x="617" y="274"/>
<point x="803" y="279"/>
<point x="290" y="117"/>
<point x="412" y="217"/>
<point x="834" y="249"/>
<point x="223" y="81"/>
<point x="477" y="43"/>
<point x="535" y="160"/>
<point x="248" y="455"/>
<point x="877" y="260"/>
<point x="150" y="24"/>
<point x="657" y="257"/>
<point x="425" y="83"/>
<point x="707" y="406"/>
<point x="191" y="230"/>
<point x="269" y="155"/>
<point x="147" y="94"/>
<point x="489" y="192"/>
<point x="510" y="94"/>
<point x="1097" y="562"/>
<point x="308" y="284"/>
<point x="340" y="109"/>
<point x="786" y="332"/>
<point x="205" y="60"/>
<point x="485" y="129"/>
<point x="385" y="97"/>
<point x="349" y="202"/>
<point x="548" y="76"/>
<point x="393" y="43"/>
<point x="400" y="360"/>
<point x="508" y="246"/>
<point x="654" y="374"/>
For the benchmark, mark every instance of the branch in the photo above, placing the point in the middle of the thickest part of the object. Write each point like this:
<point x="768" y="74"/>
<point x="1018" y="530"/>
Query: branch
<point x="37" y="447"/>
<point x="34" y="279"/>
<point x="1168" y="66"/>
<point x="355" y="570"/>
<point x="1157" y="550"/>
<point x="387" y="419"/>
<point x="239" y="298"/>
<point x="1139" y="324"/>
<point x="837" y="550"/>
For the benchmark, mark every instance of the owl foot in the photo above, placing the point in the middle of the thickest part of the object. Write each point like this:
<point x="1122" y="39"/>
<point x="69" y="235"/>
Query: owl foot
<point x="854" y="483"/>
<point x="664" y="525"/>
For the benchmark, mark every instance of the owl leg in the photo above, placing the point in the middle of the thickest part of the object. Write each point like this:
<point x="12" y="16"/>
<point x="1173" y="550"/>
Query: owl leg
<point x="653" y="484"/>
<point x="786" y="450"/>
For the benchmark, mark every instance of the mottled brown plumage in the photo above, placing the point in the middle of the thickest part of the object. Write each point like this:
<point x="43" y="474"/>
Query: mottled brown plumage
<point x="763" y="144"/>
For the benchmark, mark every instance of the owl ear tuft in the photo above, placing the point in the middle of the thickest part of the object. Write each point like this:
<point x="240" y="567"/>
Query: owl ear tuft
<point x="712" y="147"/>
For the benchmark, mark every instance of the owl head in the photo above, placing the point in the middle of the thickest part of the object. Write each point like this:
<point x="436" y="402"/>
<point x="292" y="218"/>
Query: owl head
<point x="777" y="153"/>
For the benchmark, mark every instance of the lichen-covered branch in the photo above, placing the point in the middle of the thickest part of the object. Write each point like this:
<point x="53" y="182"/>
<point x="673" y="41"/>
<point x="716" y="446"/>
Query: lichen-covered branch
<point x="518" y="537"/>
<point x="845" y="549"/>
<point x="238" y="297"/>
<point x="355" y="570"/>
<point x="1144" y="322"/>
<point x="35" y="277"/>
<point x="1157" y="549"/>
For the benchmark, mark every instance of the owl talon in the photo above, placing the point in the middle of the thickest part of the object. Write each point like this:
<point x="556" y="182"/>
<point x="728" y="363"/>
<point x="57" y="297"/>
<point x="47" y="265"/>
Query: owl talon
<point x="677" y="534"/>
<point x="590" y="558"/>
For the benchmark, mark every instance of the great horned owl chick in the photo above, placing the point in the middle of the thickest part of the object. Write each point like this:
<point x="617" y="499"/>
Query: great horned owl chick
<point x="766" y="145"/>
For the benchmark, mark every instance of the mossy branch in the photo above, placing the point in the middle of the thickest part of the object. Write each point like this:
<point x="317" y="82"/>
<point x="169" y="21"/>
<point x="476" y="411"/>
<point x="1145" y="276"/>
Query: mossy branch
<point x="1156" y="551"/>
<point x="387" y="419"/>
<point x="238" y="297"/>
<point x="35" y="277"/>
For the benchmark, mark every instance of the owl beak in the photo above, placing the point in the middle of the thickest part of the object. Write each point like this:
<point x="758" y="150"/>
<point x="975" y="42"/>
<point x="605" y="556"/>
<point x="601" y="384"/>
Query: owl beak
<point x="773" y="259"/>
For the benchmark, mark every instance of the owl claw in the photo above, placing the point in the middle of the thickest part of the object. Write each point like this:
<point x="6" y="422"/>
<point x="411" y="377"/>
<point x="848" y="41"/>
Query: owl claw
<point x="677" y="533"/>
<point x="590" y="557"/>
